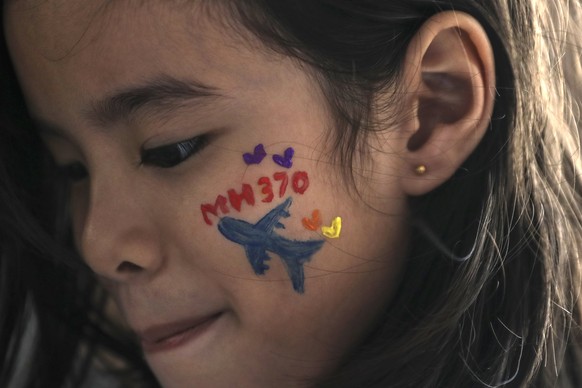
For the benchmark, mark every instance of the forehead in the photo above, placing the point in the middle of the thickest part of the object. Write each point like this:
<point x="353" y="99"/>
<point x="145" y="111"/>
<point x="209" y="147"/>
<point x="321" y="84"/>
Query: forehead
<point x="61" y="28"/>
<point x="88" y="47"/>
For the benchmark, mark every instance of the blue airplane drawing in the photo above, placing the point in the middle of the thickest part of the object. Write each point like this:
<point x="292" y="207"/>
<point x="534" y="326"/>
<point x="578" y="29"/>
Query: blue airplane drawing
<point x="260" y="238"/>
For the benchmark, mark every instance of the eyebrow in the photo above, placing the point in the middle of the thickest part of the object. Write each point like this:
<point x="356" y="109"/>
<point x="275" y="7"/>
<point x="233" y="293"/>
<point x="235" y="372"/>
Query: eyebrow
<point x="160" y="96"/>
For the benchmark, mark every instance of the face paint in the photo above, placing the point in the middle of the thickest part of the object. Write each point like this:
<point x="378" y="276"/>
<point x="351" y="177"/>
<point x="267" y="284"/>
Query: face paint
<point x="246" y="194"/>
<point x="300" y="182"/>
<point x="314" y="222"/>
<point x="256" y="157"/>
<point x="299" y="185"/>
<point x="284" y="179"/>
<point x="259" y="238"/>
<point x="267" y="189"/>
<point x="334" y="230"/>
<point x="285" y="160"/>
<point x="220" y="205"/>
<point x="268" y="186"/>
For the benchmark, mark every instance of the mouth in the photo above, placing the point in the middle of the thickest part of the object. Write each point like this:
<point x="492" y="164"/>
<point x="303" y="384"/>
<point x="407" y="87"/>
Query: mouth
<point x="172" y="335"/>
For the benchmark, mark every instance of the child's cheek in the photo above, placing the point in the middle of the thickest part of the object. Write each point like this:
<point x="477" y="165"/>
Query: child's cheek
<point x="257" y="214"/>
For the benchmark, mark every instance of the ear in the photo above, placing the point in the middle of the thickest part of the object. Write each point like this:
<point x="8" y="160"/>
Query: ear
<point x="449" y="79"/>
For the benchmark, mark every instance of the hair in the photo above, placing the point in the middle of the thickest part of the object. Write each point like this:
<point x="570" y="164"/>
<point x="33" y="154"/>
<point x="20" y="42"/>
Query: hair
<point x="490" y="291"/>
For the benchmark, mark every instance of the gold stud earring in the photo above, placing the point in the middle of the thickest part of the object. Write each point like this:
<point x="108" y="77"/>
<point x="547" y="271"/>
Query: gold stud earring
<point x="420" y="169"/>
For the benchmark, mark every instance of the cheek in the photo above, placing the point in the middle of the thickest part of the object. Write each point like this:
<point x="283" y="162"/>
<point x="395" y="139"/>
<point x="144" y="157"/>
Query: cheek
<point x="279" y="220"/>
<point x="269" y="234"/>
<point x="318" y="328"/>
<point x="301" y="291"/>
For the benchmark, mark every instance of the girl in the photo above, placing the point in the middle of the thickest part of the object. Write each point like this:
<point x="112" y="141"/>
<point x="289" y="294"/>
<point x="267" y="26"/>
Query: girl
<point x="313" y="193"/>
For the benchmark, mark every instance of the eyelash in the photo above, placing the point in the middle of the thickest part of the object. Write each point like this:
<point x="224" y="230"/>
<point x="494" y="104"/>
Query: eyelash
<point x="166" y="156"/>
<point x="173" y="154"/>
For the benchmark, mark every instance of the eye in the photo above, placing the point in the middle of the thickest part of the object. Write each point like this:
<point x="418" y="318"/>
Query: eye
<point x="173" y="154"/>
<point x="72" y="172"/>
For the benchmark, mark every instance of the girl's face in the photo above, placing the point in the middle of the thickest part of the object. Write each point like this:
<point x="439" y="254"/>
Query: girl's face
<point x="204" y="195"/>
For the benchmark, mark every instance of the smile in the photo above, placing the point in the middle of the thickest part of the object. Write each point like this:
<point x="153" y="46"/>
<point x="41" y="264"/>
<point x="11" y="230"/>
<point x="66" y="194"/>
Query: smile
<point x="172" y="335"/>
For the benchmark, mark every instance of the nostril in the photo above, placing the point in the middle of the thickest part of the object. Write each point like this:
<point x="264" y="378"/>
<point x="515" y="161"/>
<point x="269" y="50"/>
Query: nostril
<point x="128" y="267"/>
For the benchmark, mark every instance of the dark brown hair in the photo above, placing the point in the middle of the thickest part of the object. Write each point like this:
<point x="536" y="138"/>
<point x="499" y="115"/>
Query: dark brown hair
<point x="490" y="292"/>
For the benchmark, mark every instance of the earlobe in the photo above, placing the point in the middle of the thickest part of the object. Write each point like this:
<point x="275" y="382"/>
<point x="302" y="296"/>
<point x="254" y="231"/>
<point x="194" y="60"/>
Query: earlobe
<point x="450" y="78"/>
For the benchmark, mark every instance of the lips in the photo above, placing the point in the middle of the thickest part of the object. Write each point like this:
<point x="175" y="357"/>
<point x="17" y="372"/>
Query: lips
<point x="171" y="335"/>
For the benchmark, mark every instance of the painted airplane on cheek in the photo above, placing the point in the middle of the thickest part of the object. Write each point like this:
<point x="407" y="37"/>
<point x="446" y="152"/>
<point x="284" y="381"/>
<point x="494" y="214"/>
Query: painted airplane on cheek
<point x="259" y="238"/>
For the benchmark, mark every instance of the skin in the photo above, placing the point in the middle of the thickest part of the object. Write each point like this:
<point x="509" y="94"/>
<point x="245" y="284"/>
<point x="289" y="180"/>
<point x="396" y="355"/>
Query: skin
<point x="140" y="228"/>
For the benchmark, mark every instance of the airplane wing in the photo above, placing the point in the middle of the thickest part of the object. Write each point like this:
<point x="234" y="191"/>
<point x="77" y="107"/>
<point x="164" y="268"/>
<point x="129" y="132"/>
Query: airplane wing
<point x="257" y="256"/>
<point x="271" y="219"/>
<point x="294" y="254"/>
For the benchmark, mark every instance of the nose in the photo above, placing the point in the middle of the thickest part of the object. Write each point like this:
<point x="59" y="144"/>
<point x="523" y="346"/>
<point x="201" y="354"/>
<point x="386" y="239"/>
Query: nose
<point x="116" y="232"/>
